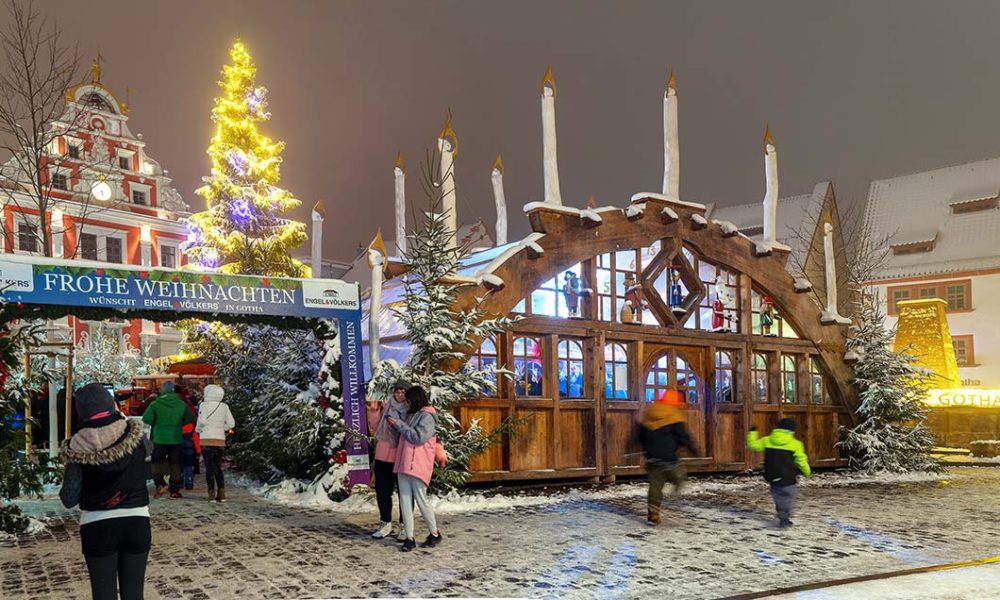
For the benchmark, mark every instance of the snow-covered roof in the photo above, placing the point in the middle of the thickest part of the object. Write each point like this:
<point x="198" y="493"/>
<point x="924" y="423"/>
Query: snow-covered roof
<point x="916" y="208"/>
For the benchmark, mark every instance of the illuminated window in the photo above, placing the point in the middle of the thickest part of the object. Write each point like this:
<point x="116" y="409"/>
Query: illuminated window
<point x="549" y="300"/>
<point x="485" y="358"/>
<point x="528" y="371"/>
<point x="570" y="362"/>
<point x="687" y="382"/>
<point x="788" y="380"/>
<point x="725" y="387"/>
<point x="658" y="378"/>
<point x="728" y="280"/>
<point x="758" y="372"/>
<point x="616" y="372"/>
<point x="779" y="326"/>
<point x="965" y="353"/>
<point x="819" y="393"/>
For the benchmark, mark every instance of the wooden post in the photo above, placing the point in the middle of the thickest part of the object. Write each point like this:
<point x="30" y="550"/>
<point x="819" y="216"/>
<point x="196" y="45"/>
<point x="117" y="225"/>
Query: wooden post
<point x="27" y="407"/>
<point x="69" y="392"/>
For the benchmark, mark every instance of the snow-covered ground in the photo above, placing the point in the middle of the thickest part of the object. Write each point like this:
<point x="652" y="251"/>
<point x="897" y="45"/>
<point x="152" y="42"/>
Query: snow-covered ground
<point x="981" y="582"/>
<point x="299" y="493"/>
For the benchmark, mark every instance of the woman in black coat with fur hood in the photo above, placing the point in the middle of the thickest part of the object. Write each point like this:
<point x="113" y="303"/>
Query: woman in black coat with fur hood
<point x="106" y="475"/>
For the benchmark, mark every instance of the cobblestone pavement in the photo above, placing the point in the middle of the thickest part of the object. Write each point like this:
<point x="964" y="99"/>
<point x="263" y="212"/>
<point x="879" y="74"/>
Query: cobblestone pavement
<point x="710" y="545"/>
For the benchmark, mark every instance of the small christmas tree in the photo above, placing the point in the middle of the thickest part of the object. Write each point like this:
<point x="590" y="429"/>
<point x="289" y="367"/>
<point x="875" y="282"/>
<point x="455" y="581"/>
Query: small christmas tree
<point x="892" y="435"/>
<point x="243" y="229"/>
<point x="18" y="474"/>
<point x="102" y="360"/>
<point x="441" y="336"/>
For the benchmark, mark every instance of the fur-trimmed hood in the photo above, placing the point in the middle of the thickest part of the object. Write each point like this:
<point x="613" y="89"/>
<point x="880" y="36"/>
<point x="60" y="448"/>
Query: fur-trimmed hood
<point x="102" y="445"/>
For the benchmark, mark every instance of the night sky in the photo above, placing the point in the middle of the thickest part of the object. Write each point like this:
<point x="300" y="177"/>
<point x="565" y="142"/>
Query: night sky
<point x="852" y="90"/>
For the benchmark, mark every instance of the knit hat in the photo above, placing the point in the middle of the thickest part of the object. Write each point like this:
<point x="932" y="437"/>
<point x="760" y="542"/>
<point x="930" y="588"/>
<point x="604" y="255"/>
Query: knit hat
<point x="167" y="387"/>
<point x="671" y="397"/>
<point x="214" y="393"/>
<point x="94" y="401"/>
<point x="402" y="384"/>
<point x="787" y="423"/>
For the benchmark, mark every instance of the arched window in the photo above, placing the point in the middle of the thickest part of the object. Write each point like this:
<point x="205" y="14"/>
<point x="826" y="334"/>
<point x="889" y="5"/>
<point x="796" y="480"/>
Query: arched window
<point x="658" y="378"/>
<point x="615" y="372"/>
<point x="789" y="390"/>
<point x="819" y="392"/>
<point x="687" y="383"/>
<point x="527" y="359"/>
<point x="758" y="372"/>
<point x="486" y="358"/>
<point x="570" y="355"/>
<point x="725" y="388"/>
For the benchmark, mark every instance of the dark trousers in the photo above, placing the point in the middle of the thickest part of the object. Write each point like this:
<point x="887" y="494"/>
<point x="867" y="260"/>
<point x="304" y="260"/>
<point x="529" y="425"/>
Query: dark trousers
<point x="659" y="474"/>
<point x="167" y="456"/>
<point x="116" y="551"/>
<point x="784" y="500"/>
<point x="385" y="486"/>
<point x="213" y="466"/>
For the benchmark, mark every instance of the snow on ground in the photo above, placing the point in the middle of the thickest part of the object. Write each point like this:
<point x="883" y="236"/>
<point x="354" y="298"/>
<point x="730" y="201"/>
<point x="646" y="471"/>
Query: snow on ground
<point x="981" y="581"/>
<point x="300" y="493"/>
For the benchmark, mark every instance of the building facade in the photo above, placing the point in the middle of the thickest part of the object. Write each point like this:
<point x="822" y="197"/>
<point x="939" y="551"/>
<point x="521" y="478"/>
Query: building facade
<point x="105" y="200"/>
<point x="942" y="228"/>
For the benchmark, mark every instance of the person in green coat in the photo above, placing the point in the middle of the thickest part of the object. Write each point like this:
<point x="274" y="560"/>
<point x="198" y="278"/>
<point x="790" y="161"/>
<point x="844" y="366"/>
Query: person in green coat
<point x="166" y="415"/>
<point x="784" y="458"/>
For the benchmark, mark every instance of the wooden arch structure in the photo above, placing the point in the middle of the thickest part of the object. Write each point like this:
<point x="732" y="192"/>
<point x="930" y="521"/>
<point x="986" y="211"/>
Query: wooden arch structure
<point x="589" y="433"/>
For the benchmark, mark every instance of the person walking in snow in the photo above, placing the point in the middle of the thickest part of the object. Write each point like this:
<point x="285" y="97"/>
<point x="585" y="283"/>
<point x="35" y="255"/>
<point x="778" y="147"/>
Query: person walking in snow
<point x="386" y="447"/>
<point x="662" y="433"/>
<point x="214" y="420"/>
<point x="784" y="458"/>
<point x="106" y="475"/>
<point x="415" y="457"/>
<point x="167" y="415"/>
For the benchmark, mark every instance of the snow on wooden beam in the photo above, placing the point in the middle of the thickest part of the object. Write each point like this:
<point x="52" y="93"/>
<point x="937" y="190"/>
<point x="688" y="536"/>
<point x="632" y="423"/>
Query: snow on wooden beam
<point x="698" y="221"/>
<point x="802" y="285"/>
<point x="635" y="211"/>
<point x="668" y="215"/>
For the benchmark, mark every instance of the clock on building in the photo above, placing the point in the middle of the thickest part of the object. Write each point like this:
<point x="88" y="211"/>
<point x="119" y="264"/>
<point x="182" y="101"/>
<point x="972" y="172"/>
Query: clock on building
<point x="101" y="191"/>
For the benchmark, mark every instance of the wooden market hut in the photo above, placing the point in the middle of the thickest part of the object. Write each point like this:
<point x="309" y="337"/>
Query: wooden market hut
<point x="581" y="379"/>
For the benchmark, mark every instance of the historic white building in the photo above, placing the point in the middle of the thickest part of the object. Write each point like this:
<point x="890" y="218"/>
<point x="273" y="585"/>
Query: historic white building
<point x="943" y="228"/>
<point x="108" y="201"/>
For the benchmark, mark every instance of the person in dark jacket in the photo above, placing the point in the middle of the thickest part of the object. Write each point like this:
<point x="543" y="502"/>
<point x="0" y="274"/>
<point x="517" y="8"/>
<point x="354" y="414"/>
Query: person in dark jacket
<point x="167" y="415"/>
<point x="784" y="458"/>
<point x="105" y="475"/>
<point x="662" y="433"/>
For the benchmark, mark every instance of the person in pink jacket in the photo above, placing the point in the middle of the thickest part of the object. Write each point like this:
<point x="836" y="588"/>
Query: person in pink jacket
<point x="415" y="464"/>
<point x="387" y="442"/>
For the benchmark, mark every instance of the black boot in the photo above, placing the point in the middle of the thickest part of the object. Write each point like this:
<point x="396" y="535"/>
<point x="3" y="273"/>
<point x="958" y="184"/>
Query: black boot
<point x="431" y="541"/>
<point x="408" y="545"/>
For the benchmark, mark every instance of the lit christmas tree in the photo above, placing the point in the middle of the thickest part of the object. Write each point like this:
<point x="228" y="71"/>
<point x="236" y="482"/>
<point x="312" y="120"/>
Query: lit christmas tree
<point x="243" y="229"/>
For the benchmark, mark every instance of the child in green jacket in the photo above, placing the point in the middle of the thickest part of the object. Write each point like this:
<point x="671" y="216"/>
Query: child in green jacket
<point x="784" y="458"/>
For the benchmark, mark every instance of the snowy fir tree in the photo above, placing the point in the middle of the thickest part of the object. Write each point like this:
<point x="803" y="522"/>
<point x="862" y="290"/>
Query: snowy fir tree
<point x="441" y="335"/>
<point x="18" y="475"/>
<point x="892" y="435"/>
<point x="243" y="229"/>
<point x="285" y="398"/>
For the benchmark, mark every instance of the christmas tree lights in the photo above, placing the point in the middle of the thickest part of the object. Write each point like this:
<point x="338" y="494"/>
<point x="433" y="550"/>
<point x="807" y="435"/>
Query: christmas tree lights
<point x="243" y="229"/>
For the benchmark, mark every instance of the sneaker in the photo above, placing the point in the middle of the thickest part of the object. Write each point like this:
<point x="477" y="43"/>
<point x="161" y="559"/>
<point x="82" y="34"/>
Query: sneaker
<point x="175" y="495"/>
<point x="160" y="490"/>
<point x="431" y="541"/>
<point x="408" y="545"/>
<point x="401" y="537"/>
<point x="384" y="529"/>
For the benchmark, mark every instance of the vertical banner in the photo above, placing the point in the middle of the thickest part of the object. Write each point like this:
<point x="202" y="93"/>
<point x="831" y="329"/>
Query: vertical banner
<point x="355" y="417"/>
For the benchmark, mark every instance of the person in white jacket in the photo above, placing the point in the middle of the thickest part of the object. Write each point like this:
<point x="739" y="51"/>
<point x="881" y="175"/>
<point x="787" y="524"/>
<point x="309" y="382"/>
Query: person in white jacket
<point x="214" y="420"/>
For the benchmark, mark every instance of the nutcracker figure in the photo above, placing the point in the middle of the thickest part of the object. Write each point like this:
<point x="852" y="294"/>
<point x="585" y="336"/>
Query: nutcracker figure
<point x="767" y="315"/>
<point x="676" y="291"/>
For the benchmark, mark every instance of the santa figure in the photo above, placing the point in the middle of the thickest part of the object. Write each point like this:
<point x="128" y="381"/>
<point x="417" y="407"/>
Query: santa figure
<point x="720" y="320"/>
